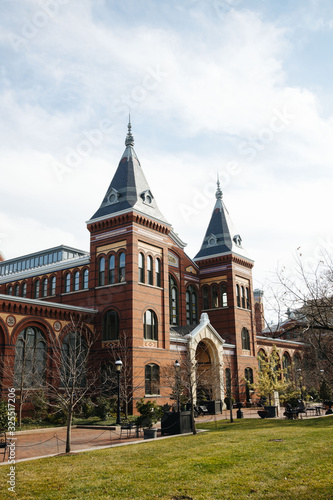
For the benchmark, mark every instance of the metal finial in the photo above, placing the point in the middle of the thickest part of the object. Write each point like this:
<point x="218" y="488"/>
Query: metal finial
<point x="129" y="141"/>
<point x="218" y="191"/>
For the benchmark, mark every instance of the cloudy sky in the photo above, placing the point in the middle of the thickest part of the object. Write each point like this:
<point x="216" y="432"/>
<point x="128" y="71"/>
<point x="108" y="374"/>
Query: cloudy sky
<point x="238" y="88"/>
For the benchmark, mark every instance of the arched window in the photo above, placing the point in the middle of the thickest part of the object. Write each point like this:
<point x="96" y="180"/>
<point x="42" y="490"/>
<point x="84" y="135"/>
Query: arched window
<point x="36" y="289"/>
<point x="228" y="381"/>
<point x="67" y="283"/>
<point x="245" y="339"/>
<point x="101" y="271"/>
<point x="205" y="297"/>
<point x="286" y="365"/>
<point x="152" y="379"/>
<point x="261" y="358"/>
<point x="150" y="325"/>
<point x="110" y="325"/>
<point x="224" y="296"/>
<point x="158" y="272"/>
<point x="10" y="290"/>
<point x="247" y="298"/>
<point x="112" y="267"/>
<point x="24" y="290"/>
<point x="17" y="290"/>
<point x="149" y="270"/>
<point x="248" y="372"/>
<point x="30" y="358"/>
<point x="122" y="262"/>
<point x="243" y="297"/>
<point x="85" y="279"/>
<point x="191" y="306"/>
<point x="215" y="296"/>
<point x="74" y="355"/>
<point x="173" y="301"/>
<point x="238" y="296"/>
<point x="76" y="281"/>
<point x="141" y="268"/>
<point x="53" y="285"/>
<point x="44" y="287"/>
<point x="249" y="375"/>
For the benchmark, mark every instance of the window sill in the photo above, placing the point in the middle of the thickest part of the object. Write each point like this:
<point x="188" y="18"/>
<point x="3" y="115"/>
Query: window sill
<point x="68" y="293"/>
<point x="150" y="286"/>
<point x="111" y="285"/>
<point x="216" y="308"/>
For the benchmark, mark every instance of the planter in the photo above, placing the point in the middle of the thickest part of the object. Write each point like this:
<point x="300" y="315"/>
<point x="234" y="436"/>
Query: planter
<point x="174" y="422"/>
<point x="271" y="411"/>
<point x="149" y="433"/>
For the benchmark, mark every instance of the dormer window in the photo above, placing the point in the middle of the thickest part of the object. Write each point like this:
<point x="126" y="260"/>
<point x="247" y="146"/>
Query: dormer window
<point x="147" y="197"/>
<point x="238" y="240"/>
<point x="212" y="240"/>
<point x="113" y="196"/>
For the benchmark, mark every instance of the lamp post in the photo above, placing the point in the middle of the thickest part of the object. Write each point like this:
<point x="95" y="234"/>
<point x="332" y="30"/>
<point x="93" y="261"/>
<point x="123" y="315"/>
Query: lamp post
<point x="300" y="381"/>
<point x="119" y="365"/>
<point x="177" y="366"/>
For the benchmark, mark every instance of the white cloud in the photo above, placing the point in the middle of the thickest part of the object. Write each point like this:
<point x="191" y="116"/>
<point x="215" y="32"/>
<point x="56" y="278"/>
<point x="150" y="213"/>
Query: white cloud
<point x="207" y="89"/>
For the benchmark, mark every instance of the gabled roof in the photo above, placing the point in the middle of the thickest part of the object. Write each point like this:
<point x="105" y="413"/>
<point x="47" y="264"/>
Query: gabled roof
<point x="221" y="237"/>
<point x="189" y="332"/>
<point x="129" y="189"/>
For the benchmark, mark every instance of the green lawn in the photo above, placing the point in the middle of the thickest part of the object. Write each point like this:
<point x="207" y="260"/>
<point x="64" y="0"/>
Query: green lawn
<point x="252" y="458"/>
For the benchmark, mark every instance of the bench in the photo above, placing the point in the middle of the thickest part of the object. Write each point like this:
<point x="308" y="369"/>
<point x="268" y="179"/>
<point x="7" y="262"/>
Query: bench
<point x="126" y="427"/>
<point x="202" y="410"/>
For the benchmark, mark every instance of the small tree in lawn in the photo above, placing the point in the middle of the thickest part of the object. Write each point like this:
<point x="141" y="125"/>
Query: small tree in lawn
<point x="270" y="375"/>
<point x="74" y="375"/>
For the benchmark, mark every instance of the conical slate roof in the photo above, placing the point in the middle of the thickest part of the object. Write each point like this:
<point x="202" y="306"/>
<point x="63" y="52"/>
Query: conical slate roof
<point x="129" y="188"/>
<point x="220" y="238"/>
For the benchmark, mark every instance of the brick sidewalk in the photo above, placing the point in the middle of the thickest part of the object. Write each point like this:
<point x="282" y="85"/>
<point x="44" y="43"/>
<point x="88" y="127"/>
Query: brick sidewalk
<point x="48" y="442"/>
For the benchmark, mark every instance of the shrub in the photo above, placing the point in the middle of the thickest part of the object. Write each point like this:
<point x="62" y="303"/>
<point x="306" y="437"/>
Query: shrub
<point x="149" y="411"/>
<point x="87" y="408"/>
<point x="226" y="402"/>
<point x="3" y="415"/>
<point x="40" y="406"/>
<point x="103" y="407"/>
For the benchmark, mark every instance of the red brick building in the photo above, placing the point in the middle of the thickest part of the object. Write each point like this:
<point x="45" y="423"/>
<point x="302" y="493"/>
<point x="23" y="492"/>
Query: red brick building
<point x="138" y="283"/>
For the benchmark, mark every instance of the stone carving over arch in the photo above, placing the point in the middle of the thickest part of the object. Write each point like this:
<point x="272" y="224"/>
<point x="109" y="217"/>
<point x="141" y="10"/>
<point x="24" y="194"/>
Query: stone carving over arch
<point x="205" y="333"/>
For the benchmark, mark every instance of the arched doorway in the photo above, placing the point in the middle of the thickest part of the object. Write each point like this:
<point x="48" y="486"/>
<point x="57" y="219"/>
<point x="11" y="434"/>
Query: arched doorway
<point x="207" y="372"/>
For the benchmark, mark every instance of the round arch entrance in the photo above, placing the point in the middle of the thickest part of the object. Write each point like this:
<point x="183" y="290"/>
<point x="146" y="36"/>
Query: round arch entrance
<point x="208" y="381"/>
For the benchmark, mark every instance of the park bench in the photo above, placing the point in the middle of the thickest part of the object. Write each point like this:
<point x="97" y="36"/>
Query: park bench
<point x="126" y="427"/>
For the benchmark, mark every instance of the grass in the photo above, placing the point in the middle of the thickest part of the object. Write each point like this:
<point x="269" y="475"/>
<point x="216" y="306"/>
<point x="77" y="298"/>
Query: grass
<point x="252" y="458"/>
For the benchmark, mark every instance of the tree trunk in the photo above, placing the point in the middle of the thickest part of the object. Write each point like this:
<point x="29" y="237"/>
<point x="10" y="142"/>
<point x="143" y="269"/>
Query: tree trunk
<point x="69" y="430"/>
<point x="194" y="429"/>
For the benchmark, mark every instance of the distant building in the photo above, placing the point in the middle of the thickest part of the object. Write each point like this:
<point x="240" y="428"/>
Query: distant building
<point x="138" y="282"/>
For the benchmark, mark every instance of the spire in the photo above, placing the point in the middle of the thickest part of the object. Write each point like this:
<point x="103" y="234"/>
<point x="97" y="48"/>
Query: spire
<point x="220" y="237"/>
<point x="219" y="193"/>
<point x="129" y="141"/>
<point x="129" y="189"/>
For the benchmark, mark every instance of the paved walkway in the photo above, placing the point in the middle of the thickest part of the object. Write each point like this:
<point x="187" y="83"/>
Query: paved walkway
<point x="48" y="442"/>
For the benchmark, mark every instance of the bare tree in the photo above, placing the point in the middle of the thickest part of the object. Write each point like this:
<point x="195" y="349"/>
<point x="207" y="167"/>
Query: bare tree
<point x="27" y="370"/>
<point x="73" y="373"/>
<point x="121" y="349"/>
<point x="192" y="378"/>
<point x="308" y="296"/>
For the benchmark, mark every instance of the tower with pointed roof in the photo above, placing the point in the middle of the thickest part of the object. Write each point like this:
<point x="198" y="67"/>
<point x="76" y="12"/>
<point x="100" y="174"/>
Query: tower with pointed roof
<point x="226" y="288"/>
<point x="129" y="251"/>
